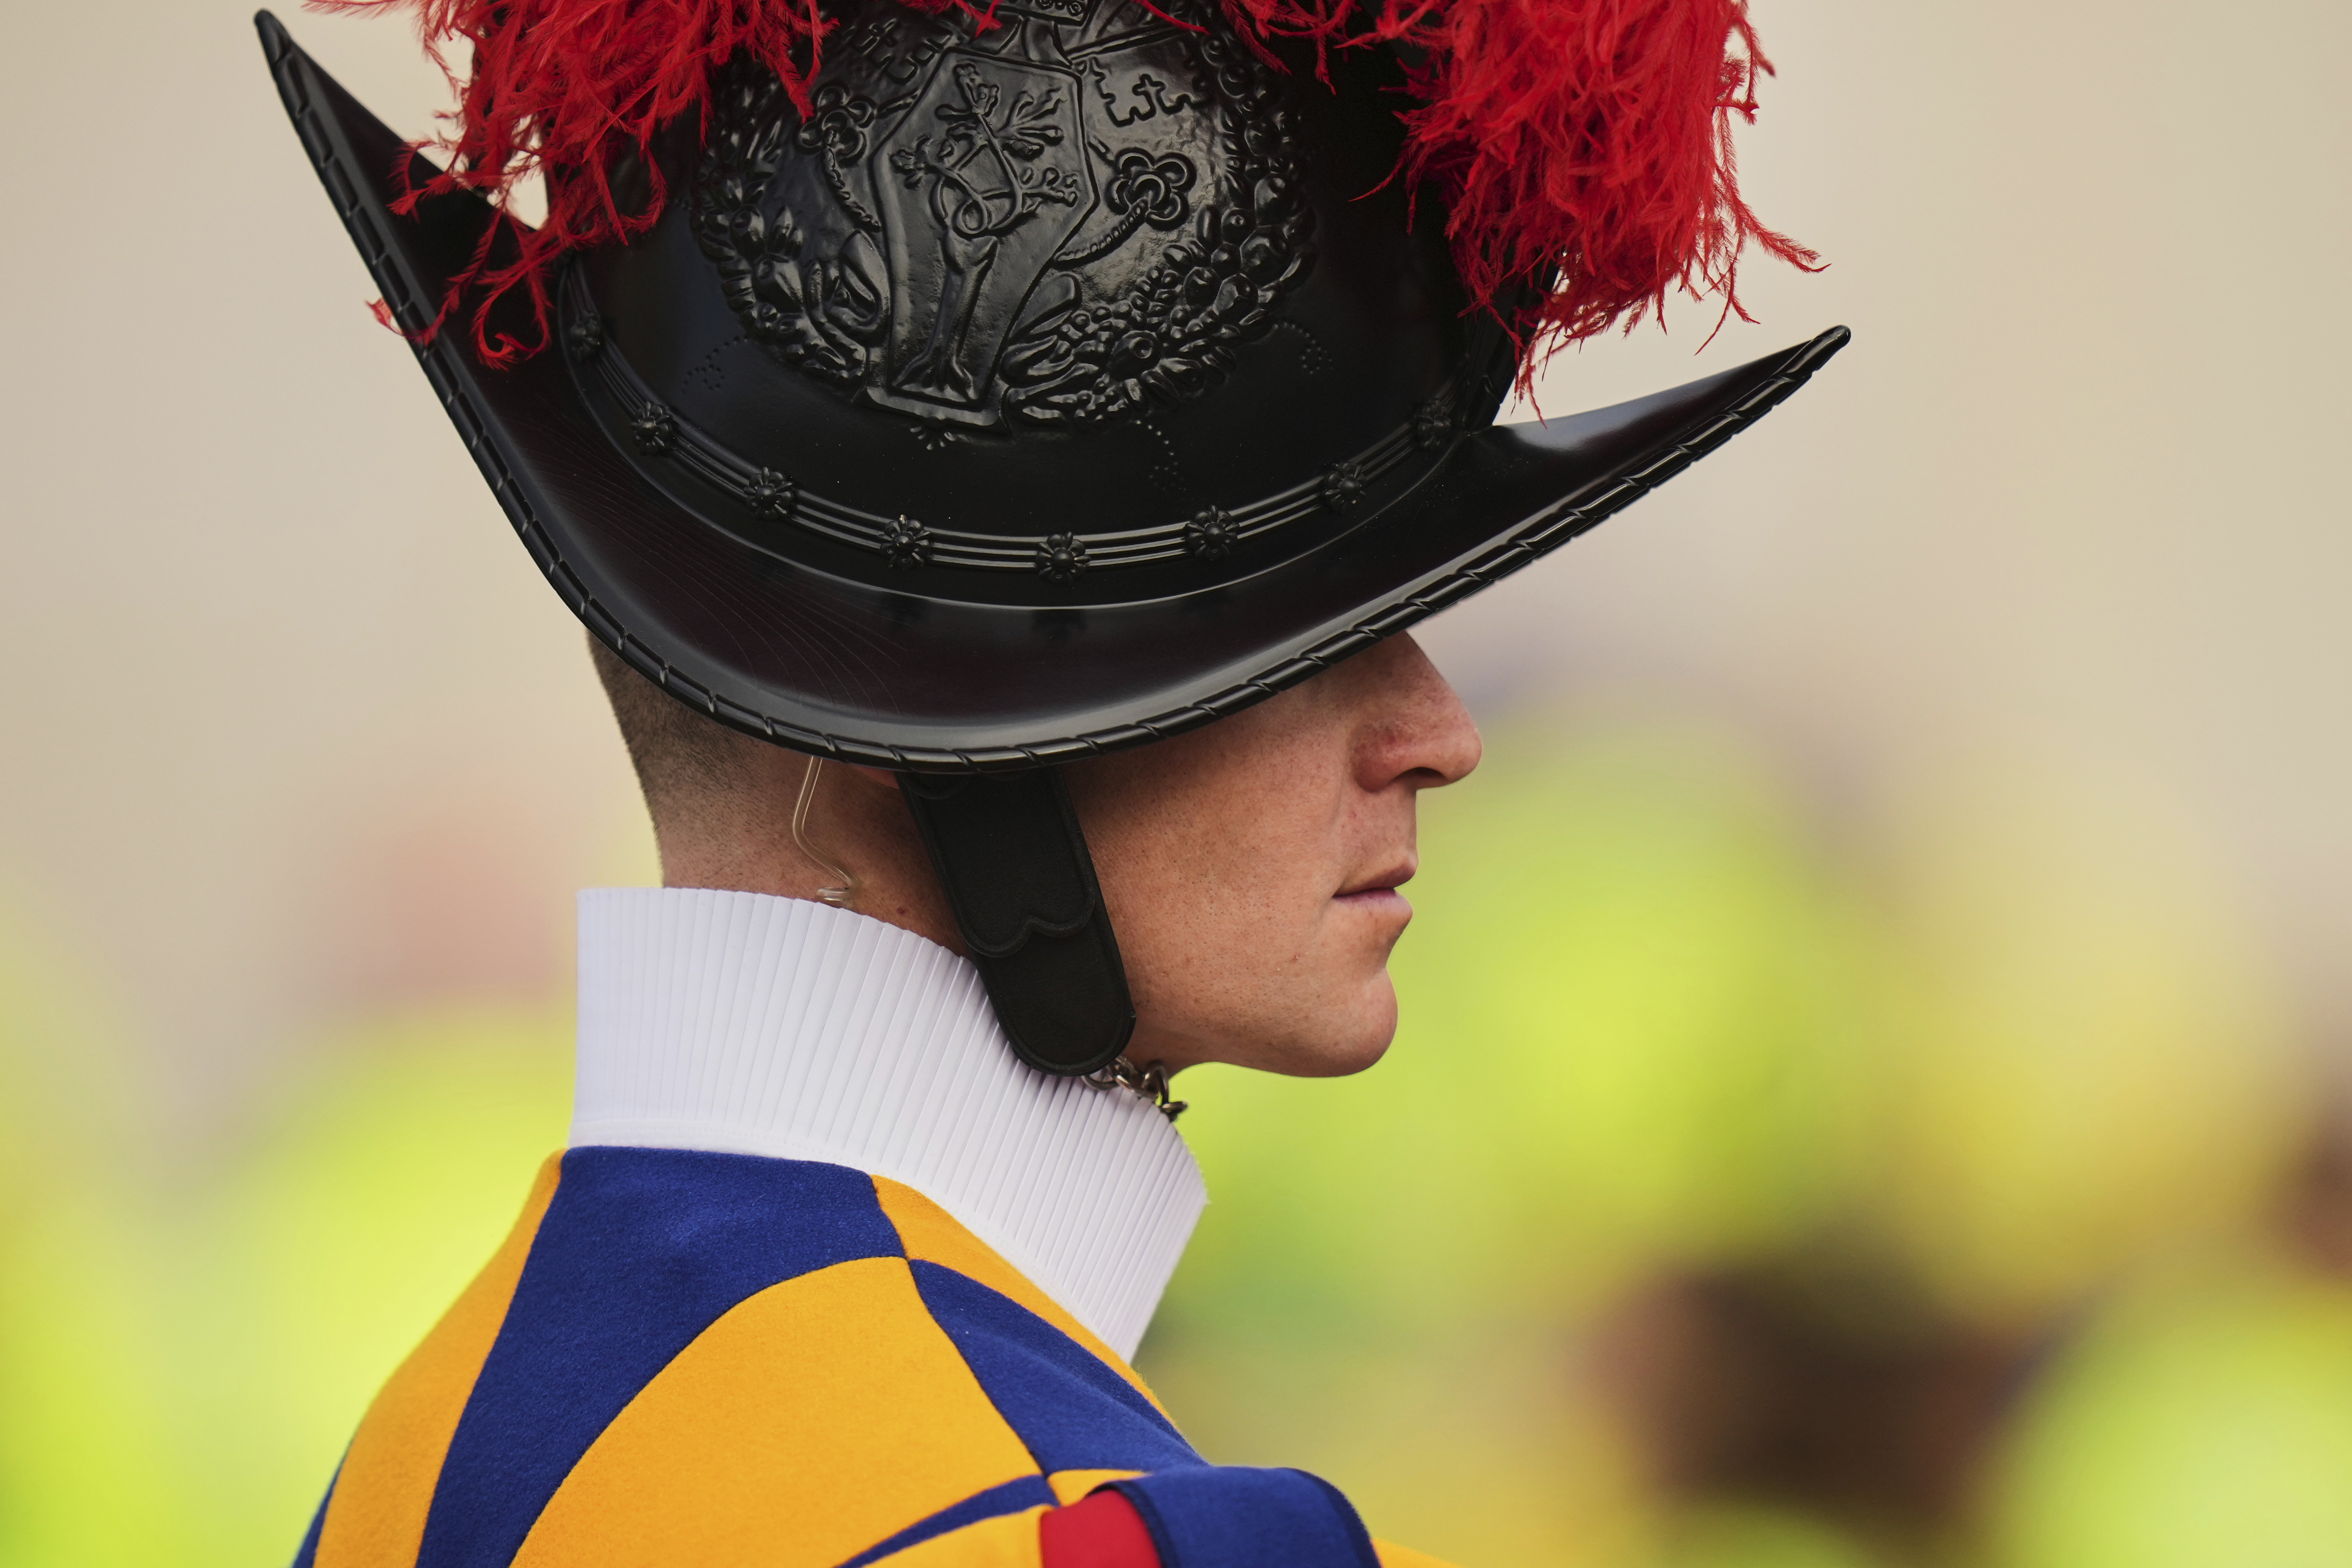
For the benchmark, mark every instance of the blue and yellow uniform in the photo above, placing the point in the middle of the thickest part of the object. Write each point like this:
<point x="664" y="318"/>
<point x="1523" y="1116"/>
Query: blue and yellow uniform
<point x="716" y="1360"/>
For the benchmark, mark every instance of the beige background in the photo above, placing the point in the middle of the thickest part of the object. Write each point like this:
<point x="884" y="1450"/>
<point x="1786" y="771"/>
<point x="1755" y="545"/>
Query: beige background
<point x="294" y="730"/>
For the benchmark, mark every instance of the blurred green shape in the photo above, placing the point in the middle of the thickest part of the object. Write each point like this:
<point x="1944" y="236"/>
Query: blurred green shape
<point x="1627" y="1033"/>
<point x="311" y="1268"/>
<point x="90" y="1474"/>
<point x="183" y="1354"/>
<point x="2203" y="1422"/>
<point x="2086" y="1062"/>
<point x="1628" y="1038"/>
<point x="88" y="1478"/>
<point x="1733" y="1535"/>
<point x="1637" y="966"/>
<point x="1466" y="1446"/>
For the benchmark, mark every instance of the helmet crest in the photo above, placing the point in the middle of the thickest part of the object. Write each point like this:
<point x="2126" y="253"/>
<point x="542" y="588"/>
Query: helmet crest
<point x="1582" y="147"/>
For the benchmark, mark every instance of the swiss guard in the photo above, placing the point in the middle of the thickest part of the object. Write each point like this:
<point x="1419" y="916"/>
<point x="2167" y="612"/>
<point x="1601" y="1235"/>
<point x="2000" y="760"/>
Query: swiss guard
<point x="997" y="454"/>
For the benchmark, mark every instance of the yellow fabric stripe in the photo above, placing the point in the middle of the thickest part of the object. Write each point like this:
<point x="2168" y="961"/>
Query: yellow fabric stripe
<point x="815" y="1419"/>
<point x="376" y="1517"/>
<point x="930" y="1233"/>
<point x="1391" y="1555"/>
<point x="1008" y="1540"/>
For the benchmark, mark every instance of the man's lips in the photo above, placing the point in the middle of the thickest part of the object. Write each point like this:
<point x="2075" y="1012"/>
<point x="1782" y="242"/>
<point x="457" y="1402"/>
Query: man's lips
<point x="1386" y="882"/>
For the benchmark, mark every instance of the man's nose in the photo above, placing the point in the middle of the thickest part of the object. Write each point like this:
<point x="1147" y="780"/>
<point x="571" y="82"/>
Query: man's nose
<point x="1427" y="737"/>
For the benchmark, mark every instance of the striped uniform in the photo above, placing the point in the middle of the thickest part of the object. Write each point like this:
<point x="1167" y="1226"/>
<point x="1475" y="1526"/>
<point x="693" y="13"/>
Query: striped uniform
<point x="716" y="1360"/>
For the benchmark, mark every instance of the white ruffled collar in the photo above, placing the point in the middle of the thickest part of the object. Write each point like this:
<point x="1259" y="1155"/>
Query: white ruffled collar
<point x="745" y="1024"/>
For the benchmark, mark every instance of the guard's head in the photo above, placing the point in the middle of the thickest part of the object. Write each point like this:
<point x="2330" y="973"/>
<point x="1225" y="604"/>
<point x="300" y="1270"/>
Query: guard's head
<point x="959" y="389"/>
<point x="1251" y="868"/>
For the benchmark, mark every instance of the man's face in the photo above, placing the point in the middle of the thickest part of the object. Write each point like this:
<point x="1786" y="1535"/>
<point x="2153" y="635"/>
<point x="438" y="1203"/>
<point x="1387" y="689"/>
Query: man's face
<point x="1252" y="867"/>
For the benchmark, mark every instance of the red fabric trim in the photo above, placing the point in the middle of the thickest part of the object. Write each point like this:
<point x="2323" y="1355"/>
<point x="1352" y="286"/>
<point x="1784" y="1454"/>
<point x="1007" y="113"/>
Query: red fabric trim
<point x="1099" y="1531"/>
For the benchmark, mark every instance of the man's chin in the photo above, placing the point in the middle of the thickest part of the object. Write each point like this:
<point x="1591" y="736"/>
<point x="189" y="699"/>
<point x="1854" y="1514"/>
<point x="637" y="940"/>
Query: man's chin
<point x="1349" y="1061"/>
<point x="1340" y="1053"/>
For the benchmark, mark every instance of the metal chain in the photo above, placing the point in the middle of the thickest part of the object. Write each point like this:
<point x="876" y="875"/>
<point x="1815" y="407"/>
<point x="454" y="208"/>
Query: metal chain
<point x="1148" y="1082"/>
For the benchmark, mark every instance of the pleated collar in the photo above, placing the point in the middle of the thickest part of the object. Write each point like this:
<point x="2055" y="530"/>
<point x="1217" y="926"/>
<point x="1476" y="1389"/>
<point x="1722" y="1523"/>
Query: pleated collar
<point x="750" y="1025"/>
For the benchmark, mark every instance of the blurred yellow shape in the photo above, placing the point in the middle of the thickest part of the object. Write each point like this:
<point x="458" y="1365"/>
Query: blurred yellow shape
<point x="385" y="1489"/>
<point x="1628" y="1035"/>
<point x="2085" y="1062"/>
<point x="307" y="1270"/>
<point x="2200" y="1422"/>
<point x="1635" y="966"/>
<point x="1752" y="1536"/>
<point x="1627" y="1031"/>
<point x="89" y="1477"/>
<point x="90" y="1470"/>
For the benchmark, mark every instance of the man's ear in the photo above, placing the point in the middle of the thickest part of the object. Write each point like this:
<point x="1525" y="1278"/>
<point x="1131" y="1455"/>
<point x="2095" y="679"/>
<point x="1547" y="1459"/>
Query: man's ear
<point x="882" y="778"/>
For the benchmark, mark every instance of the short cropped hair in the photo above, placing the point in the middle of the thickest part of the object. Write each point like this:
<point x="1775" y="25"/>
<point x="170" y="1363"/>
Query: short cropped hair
<point x="687" y="763"/>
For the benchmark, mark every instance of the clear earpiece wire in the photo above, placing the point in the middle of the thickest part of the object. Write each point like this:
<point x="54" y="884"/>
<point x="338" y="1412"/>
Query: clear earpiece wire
<point x="839" y="897"/>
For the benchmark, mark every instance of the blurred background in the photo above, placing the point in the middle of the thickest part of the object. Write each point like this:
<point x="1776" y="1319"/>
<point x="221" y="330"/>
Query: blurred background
<point x="1872" y="1086"/>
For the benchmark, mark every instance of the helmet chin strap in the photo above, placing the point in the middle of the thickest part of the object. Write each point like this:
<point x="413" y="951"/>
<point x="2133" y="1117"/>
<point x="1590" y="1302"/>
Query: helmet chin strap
<point x="1012" y="861"/>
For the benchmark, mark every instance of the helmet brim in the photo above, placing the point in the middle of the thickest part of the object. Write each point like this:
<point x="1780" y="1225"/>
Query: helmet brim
<point x="847" y="669"/>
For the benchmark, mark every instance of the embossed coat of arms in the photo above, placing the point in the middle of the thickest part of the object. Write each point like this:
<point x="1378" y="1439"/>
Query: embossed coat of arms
<point x="1058" y="220"/>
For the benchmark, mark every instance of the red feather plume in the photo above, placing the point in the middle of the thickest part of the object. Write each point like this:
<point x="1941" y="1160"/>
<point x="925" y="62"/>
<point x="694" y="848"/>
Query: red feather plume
<point x="1584" y="140"/>
<point x="1589" y="141"/>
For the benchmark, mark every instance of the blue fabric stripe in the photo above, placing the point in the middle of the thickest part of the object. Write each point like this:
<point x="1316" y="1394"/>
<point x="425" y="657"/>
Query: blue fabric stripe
<point x="641" y="1250"/>
<point x="309" y="1555"/>
<point x="1074" y="1413"/>
<point x="1029" y="1491"/>
<point x="1230" y="1515"/>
